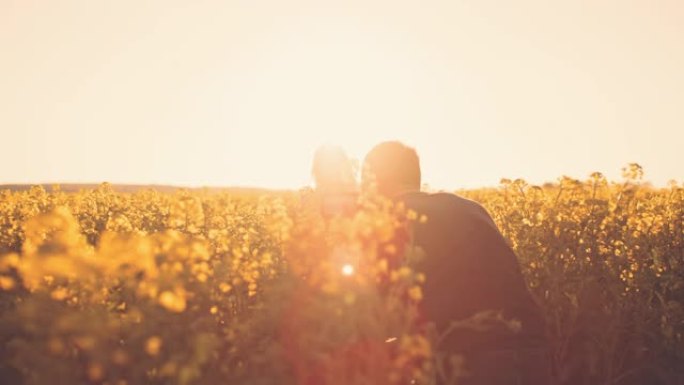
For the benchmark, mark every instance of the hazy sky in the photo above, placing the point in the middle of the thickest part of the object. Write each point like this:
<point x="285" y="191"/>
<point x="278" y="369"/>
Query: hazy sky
<point x="242" y="92"/>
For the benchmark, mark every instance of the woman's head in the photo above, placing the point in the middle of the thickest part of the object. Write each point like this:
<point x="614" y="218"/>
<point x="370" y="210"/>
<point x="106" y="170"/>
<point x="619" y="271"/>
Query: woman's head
<point x="332" y="170"/>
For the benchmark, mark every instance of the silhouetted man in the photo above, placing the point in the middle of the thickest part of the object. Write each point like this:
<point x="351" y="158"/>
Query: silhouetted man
<point x="469" y="268"/>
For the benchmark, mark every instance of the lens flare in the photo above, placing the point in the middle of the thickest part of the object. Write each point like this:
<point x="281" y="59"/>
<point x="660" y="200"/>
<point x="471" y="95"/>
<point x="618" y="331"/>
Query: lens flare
<point x="347" y="269"/>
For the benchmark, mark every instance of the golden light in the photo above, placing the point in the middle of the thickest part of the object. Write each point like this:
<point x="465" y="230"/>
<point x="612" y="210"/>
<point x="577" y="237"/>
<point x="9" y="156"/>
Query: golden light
<point x="347" y="269"/>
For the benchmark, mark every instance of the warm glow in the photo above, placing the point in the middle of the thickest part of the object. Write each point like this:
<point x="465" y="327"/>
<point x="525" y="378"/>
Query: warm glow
<point x="347" y="269"/>
<point x="242" y="93"/>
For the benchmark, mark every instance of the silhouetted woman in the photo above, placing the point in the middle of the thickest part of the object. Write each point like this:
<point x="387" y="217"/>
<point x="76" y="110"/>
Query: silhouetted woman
<point x="334" y="176"/>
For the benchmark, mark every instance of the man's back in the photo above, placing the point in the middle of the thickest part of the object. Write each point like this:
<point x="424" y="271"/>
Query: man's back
<point x="470" y="268"/>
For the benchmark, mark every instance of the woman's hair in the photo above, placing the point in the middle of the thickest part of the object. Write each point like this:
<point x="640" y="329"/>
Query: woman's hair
<point x="332" y="170"/>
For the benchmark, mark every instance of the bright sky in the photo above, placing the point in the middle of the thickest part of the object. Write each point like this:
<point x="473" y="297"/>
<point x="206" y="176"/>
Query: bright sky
<point x="242" y="92"/>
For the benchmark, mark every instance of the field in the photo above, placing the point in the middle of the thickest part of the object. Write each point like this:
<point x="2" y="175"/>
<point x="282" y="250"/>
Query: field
<point x="206" y="287"/>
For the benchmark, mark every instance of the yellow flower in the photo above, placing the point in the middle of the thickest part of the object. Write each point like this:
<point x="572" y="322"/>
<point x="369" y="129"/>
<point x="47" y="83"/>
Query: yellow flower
<point x="172" y="301"/>
<point x="6" y="283"/>
<point x="415" y="293"/>
<point x="391" y="249"/>
<point x="153" y="345"/>
<point x="55" y="345"/>
<point x="85" y="342"/>
<point x="349" y="298"/>
<point x="95" y="372"/>
<point x="224" y="287"/>
<point x="59" y="294"/>
<point x="120" y="357"/>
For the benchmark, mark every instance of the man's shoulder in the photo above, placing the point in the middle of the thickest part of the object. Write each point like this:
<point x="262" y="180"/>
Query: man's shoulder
<point x="442" y="201"/>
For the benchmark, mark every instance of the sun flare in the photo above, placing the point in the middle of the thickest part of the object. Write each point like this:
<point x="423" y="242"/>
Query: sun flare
<point x="348" y="269"/>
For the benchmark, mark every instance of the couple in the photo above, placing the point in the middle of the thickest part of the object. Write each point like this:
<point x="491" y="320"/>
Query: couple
<point x="468" y="264"/>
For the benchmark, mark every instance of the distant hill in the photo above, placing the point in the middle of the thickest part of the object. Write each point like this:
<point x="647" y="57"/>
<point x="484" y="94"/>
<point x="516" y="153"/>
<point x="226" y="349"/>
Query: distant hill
<point x="131" y="188"/>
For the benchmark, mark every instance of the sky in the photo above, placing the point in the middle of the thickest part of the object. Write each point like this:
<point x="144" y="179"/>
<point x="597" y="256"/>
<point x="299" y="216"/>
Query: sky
<point x="241" y="93"/>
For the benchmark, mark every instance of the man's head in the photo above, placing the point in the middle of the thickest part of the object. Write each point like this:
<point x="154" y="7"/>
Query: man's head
<point x="394" y="168"/>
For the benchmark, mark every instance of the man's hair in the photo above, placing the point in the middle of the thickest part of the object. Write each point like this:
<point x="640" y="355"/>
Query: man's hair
<point x="394" y="164"/>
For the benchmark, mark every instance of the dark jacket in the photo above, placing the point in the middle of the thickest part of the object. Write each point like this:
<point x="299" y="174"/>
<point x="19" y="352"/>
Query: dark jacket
<point x="470" y="268"/>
